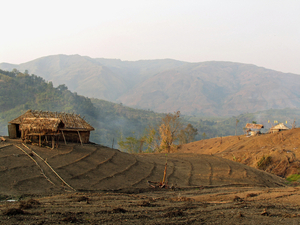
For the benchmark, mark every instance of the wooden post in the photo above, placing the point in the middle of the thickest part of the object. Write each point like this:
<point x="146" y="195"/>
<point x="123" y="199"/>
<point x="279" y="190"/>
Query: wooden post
<point x="165" y="174"/>
<point x="53" y="142"/>
<point x="40" y="140"/>
<point x="79" y="137"/>
<point x="64" y="136"/>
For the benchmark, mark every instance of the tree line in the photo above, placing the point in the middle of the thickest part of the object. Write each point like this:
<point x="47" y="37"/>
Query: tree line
<point x="166" y="137"/>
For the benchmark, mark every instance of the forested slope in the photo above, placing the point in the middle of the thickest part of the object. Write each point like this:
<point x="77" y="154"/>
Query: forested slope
<point x="21" y="91"/>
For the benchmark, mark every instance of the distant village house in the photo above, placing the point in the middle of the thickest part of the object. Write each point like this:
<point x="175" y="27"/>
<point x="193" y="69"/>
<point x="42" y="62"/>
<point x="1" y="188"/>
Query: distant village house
<point x="278" y="127"/>
<point x="50" y="126"/>
<point x="253" y="129"/>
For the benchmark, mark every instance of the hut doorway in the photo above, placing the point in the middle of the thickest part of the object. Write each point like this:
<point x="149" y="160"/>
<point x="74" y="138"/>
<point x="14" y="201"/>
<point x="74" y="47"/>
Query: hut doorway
<point x="18" y="131"/>
<point x="14" y="131"/>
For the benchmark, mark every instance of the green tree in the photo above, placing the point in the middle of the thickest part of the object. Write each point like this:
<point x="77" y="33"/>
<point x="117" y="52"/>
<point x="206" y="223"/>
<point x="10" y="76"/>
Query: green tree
<point x="15" y="71"/>
<point x="151" y="140"/>
<point x="188" y="134"/>
<point x="204" y="135"/>
<point x="62" y="87"/>
<point x="130" y="144"/>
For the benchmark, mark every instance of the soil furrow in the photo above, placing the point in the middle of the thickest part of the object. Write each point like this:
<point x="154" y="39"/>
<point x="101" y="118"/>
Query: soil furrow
<point x="147" y="175"/>
<point x="82" y="158"/>
<point x="96" y="167"/>
<point x="117" y="173"/>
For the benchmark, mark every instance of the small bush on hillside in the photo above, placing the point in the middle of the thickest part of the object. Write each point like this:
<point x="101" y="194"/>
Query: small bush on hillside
<point x="293" y="178"/>
<point x="264" y="162"/>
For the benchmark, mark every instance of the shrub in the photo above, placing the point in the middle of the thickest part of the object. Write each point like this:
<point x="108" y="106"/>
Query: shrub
<point x="264" y="162"/>
<point x="293" y="178"/>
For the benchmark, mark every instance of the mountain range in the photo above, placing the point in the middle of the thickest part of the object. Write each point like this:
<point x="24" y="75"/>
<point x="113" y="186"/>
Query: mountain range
<point x="165" y="85"/>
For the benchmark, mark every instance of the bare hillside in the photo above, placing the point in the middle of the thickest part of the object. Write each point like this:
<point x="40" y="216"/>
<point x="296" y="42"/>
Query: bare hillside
<point x="278" y="153"/>
<point x="215" y="89"/>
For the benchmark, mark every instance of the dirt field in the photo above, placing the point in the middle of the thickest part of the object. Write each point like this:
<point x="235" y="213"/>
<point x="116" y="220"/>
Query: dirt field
<point x="92" y="184"/>
<point x="214" y="205"/>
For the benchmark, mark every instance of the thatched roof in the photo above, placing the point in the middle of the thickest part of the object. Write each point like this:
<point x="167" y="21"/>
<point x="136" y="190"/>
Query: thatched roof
<point x="279" y="126"/>
<point x="254" y="126"/>
<point x="70" y="121"/>
<point x="41" y="124"/>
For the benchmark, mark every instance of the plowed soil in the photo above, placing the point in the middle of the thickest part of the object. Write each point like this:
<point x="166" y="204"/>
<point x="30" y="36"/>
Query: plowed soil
<point x="92" y="184"/>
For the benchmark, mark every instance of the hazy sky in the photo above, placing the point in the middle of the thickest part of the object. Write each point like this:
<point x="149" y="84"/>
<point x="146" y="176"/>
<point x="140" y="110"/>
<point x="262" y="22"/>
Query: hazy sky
<point x="261" y="32"/>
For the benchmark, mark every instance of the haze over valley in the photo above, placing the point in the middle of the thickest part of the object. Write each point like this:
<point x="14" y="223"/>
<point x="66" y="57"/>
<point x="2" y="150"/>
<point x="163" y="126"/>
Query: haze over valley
<point x="165" y="85"/>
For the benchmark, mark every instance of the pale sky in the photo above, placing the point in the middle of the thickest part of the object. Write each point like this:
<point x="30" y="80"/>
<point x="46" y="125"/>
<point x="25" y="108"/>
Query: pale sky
<point x="261" y="32"/>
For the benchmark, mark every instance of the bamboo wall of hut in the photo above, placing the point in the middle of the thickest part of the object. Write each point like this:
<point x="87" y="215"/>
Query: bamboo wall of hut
<point x="73" y="136"/>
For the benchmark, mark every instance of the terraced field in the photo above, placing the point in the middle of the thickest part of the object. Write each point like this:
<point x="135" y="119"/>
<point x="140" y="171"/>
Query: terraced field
<point x="31" y="169"/>
<point x="92" y="184"/>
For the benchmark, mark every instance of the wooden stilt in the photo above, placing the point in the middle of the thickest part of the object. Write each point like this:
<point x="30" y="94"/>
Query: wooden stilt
<point x="64" y="136"/>
<point x="79" y="137"/>
<point x="56" y="141"/>
<point x="40" y="140"/>
<point x="53" y="142"/>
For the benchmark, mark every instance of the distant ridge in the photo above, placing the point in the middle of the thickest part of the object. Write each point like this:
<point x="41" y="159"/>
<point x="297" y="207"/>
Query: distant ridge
<point x="166" y="85"/>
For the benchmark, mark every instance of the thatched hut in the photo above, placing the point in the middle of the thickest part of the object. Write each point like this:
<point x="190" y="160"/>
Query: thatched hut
<point x="252" y="128"/>
<point x="60" y="126"/>
<point x="278" y="127"/>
